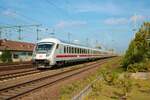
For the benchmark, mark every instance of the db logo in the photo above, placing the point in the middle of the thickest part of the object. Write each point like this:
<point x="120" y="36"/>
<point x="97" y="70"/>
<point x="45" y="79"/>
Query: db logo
<point x="40" y="56"/>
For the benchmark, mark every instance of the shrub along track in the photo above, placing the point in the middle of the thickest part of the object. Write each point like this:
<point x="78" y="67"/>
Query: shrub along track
<point x="22" y="88"/>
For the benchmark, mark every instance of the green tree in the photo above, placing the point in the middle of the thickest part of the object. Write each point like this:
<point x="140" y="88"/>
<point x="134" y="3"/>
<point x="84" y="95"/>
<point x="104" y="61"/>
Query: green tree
<point x="139" y="48"/>
<point x="6" y="56"/>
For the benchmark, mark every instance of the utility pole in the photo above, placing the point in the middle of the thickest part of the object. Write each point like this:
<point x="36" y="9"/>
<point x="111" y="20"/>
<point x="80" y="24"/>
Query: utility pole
<point x="6" y="34"/>
<point x="87" y="41"/>
<point x="19" y="31"/>
<point x="37" y="32"/>
<point x="52" y="33"/>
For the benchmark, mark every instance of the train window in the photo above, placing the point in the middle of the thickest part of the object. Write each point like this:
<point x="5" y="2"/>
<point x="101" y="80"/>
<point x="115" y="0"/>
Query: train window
<point x="74" y="50"/>
<point x="57" y="46"/>
<point x="64" y="49"/>
<point x="67" y="49"/>
<point x="70" y="50"/>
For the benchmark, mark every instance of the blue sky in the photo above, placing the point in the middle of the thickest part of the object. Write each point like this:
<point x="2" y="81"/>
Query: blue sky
<point x="110" y="22"/>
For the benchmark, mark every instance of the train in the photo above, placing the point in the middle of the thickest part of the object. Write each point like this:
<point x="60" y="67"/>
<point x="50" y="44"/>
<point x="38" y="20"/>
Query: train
<point x="51" y="52"/>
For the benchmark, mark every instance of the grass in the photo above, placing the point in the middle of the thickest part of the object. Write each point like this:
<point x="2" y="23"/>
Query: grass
<point x="120" y="87"/>
<point x="69" y="90"/>
<point x="126" y="88"/>
<point x="140" y="91"/>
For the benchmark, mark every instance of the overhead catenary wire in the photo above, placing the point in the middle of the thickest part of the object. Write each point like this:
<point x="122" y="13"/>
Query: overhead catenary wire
<point x="22" y="15"/>
<point x="59" y="9"/>
<point x="19" y="27"/>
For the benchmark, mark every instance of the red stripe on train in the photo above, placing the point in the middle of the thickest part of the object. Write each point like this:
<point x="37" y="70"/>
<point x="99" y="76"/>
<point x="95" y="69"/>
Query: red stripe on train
<point x="61" y="56"/>
<point x="65" y="56"/>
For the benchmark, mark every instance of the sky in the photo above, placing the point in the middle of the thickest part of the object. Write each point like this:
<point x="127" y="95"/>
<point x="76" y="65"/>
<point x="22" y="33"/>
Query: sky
<point x="109" y="23"/>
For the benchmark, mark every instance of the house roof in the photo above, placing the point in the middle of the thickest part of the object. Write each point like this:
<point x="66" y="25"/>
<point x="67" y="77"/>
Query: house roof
<point x="15" y="45"/>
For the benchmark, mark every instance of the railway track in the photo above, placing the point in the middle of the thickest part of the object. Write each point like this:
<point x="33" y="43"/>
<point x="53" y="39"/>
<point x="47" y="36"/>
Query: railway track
<point x="7" y="76"/>
<point x="18" y="90"/>
<point x="15" y="66"/>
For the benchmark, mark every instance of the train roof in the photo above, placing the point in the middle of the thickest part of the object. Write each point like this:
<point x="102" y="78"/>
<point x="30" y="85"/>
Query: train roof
<point x="58" y="41"/>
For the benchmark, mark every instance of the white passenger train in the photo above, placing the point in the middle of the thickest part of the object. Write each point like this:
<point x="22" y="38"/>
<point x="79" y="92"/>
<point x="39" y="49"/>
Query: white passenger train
<point x="51" y="51"/>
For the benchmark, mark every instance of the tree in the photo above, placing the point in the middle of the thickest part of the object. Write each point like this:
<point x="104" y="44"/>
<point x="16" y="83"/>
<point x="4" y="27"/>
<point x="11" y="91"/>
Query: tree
<point x="6" y="56"/>
<point x="139" y="48"/>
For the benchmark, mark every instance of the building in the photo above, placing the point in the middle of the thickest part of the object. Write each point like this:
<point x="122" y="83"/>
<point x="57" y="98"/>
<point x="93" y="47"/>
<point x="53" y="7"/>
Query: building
<point x="21" y="51"/>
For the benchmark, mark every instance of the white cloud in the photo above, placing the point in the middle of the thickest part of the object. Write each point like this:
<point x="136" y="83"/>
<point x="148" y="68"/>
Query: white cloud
<point x="66" y="24"/>
<point x="110" y="8"/>
<point x="137" y="18"/>
<point x="9" y="13"/>
<point x="116" y="21"/>
<point x="124" y="20"/>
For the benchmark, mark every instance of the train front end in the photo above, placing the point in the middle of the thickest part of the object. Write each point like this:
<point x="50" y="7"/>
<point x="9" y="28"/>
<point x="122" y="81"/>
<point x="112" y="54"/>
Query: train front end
<point x="43" y="54"/>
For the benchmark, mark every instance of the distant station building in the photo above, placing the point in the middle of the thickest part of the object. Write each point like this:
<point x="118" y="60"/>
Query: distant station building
<point x="21" y="51"/>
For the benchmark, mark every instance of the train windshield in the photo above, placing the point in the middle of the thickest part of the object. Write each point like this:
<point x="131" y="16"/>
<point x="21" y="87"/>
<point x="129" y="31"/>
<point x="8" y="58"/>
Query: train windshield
<point x="44" y="47"/>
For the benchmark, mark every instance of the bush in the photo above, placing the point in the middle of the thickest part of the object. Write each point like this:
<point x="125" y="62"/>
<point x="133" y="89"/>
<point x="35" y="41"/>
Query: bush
<point x="138" y="49"/>
<point x="6" y="56"/>
<point x="109" y="76"/>
<point x="147" y="64"/>
<point x="139" y="67"/>
<point x="127" y="84"/>
<point x="97" y="87"/>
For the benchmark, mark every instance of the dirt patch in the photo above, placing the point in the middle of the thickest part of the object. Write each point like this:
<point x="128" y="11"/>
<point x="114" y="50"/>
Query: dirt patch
<point x="140" y="75"/>
<point x="53" y="92"/>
